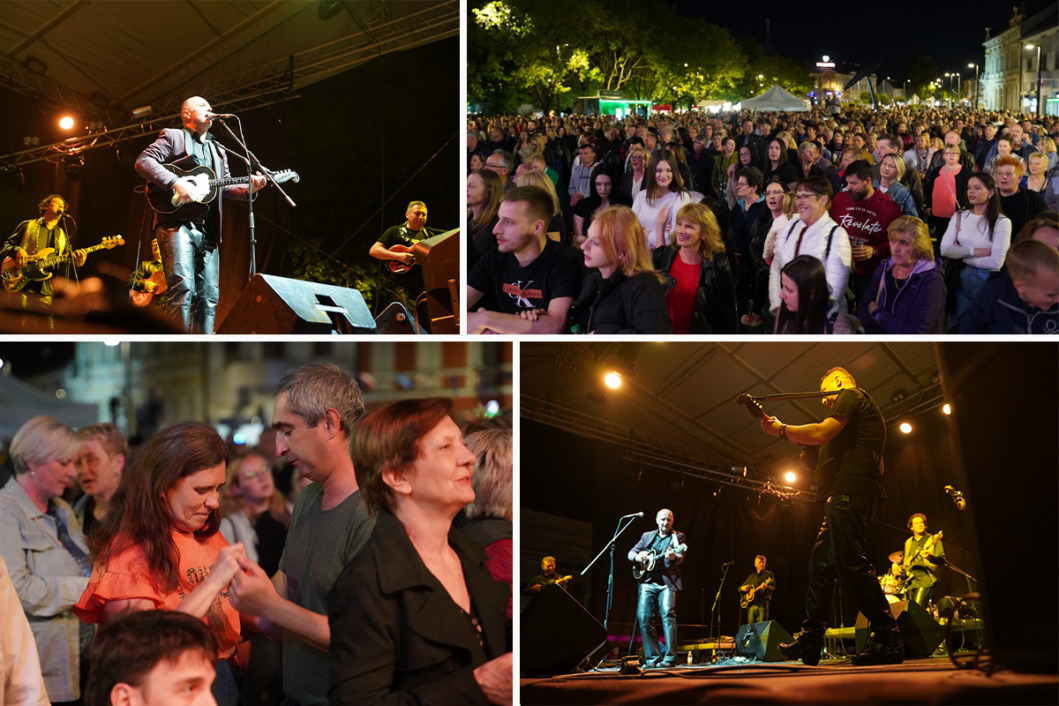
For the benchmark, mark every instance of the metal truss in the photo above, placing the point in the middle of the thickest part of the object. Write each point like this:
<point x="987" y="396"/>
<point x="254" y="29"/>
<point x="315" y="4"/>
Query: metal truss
<point x="255" y="88"/>
<point x="670" y="457"/>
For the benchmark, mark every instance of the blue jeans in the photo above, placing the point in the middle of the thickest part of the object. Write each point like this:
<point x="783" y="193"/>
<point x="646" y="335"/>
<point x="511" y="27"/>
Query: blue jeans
<point x="971" y="281"/>
<point x="656" y="596"/>
<point x="192" y="267"/>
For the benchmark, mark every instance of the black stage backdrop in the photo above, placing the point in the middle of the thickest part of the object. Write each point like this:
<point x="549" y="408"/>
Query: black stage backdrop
<point x="576" y="478"/>
<point x="356" y="139"/>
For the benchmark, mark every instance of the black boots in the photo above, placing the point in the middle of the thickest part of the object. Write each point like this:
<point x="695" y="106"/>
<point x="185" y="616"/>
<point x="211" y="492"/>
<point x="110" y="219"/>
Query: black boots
<point x="885" y="647"/>
<point x="806" y="647"/>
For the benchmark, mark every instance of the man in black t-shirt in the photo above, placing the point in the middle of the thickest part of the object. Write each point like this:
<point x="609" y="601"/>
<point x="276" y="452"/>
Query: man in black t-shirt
<point x="406" y="280"/>
<point x="527" y="283"/>
<point x="849" y="473"/>
<point x="546" y="578"/>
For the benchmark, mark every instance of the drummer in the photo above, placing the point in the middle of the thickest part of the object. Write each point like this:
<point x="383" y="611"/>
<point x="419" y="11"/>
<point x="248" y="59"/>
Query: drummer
<point x="892" y="583"/>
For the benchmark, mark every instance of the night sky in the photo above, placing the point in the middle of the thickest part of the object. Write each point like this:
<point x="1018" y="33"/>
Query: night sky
<point x="949" y="31"/>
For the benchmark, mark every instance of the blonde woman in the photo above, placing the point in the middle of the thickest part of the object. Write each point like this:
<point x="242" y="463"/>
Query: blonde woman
<point x="700" y="295"/>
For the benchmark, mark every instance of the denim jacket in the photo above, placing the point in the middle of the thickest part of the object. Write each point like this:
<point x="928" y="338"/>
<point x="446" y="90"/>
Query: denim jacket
<point x="48" y="582"/>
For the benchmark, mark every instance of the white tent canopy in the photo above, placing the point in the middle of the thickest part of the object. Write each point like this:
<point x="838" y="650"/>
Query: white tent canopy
<point x="775" y="98"/>
<point x="19" y="402"/>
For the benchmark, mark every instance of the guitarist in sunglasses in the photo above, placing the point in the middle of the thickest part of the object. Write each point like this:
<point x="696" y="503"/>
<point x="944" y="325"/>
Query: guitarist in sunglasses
<point x="924" y="553"/>
<point x="190" y="236"/>
<point x="658" y="555"/>
<point x="757" y="590"/>
<point x="35" y="235"/>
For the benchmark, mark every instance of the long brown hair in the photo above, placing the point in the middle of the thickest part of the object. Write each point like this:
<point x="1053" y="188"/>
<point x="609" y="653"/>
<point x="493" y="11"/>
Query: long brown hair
<point x="139" y="514"/>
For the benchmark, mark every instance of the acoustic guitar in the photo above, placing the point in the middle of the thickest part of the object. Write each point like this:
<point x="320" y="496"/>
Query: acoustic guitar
<point x="748" y="597"/>
<point x="642" y="568"/>
<point x="203" y="186"/>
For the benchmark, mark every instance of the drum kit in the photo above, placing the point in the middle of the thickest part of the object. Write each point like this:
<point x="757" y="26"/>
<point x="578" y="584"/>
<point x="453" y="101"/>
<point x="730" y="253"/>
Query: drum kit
<point x="893" y="586"/>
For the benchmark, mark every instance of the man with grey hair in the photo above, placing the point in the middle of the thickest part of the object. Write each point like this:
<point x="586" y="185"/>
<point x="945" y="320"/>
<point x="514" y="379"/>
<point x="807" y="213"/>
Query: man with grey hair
<point x="501" y="163"/>
<point x="315" y="409"/>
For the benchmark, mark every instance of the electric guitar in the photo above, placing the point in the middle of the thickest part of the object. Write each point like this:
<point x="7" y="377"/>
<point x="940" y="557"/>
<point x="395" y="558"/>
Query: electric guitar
<point x="927" y="548"/>
<point x="640" y="569"/>
<point x="809" y="454"/>
<point x="40" y="264"/>
<point x="203" y="185"/>
<point x="748" y="597"/>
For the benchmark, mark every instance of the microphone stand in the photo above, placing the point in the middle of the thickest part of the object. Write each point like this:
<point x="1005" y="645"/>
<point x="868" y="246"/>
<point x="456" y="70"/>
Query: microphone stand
<point x="713" y="609"/>
<point x="623" y="524"/>
<point x="251" y="162"/>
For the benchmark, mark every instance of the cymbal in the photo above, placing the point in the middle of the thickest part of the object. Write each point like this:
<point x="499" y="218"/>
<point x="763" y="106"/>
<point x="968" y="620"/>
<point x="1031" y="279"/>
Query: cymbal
<point x="897" y="557"/>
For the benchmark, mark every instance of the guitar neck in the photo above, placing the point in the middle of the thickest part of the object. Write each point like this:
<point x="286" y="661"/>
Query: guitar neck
<point x="229" y="181"/>
<point x="52" y="260"/>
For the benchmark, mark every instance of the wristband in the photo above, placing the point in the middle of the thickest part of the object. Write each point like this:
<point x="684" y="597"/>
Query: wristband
<point x="783" y="431"/>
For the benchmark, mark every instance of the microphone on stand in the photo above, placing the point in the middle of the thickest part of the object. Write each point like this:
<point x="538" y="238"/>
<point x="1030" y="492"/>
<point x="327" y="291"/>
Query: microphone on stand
<point x="220" y="116"/>
<point x="727" y="563"/>
<point x="635" y="514"/>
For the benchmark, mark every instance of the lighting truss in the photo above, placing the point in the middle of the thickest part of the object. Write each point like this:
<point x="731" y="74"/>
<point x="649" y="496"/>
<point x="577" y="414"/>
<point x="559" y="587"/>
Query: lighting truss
<point x="645" y="451"/>
<point x="262" y="86"/>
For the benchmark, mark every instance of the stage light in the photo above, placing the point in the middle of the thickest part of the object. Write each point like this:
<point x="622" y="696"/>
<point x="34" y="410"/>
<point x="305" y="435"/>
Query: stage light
<point x="492" y="408"/>
<point x="66" y="122"/>
<point x="790" y="477"/>
<point x="613" y="380"/>
<point x="946" y="408"/>
<point x="60" y="394"/>
<point x="905" y="428"/>
<point x="111" y="342"/>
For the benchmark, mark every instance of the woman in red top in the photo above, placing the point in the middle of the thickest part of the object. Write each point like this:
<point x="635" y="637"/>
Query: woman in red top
<point x="700" y="294"/>
<point x="945" y="193"/>
<point x="159" y="547"/>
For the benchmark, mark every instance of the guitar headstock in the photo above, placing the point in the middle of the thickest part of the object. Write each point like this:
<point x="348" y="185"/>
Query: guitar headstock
<point x="112" y="242"/>
<point x="286" y="175"/>
<point x="751" y="405"/>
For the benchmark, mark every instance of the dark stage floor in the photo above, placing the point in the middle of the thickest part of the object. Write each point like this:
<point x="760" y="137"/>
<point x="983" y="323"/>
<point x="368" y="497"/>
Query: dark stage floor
<point x="921" y="681"/>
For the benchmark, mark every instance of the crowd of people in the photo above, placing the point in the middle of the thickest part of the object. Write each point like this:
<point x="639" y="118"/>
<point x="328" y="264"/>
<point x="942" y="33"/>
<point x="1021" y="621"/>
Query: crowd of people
<point x="904" y="220"/>
<point x="384" y="573"/>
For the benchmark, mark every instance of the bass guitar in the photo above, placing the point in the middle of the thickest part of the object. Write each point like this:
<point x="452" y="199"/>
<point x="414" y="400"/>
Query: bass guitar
<point x="41" y="264"/>
<point x="647" y="565"/>
<point x="203" y="185"/>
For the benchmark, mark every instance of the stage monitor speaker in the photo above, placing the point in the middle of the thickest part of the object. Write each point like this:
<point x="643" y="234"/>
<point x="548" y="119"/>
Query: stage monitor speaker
<point x="919" y="631"/>
<point x="272" y="304"/>
<point x="761" y="641"/>
<point x="394" y="319"/>
<point x="1002" y="431"/>
<point x="557" y="633"/>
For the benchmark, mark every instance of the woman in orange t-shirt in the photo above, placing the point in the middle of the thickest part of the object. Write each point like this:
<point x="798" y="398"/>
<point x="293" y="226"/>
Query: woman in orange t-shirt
<point x="160" y="548"/>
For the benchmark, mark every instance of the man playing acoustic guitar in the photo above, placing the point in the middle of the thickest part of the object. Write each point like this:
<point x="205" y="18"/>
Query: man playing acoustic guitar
<point x="189" y="237"/>
<point x="395" y="249"/>
<point x="33" y="236"/>
<point x="657" y="558"/>
<point x="757" y="591"/>
<point x="924" y="553"/>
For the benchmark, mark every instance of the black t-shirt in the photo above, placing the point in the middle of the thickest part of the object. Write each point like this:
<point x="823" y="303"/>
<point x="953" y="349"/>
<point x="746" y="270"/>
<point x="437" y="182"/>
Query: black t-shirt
<point x="852" y="462"/>
<point x="509" y="288"/>
<point x="412" y="280"/>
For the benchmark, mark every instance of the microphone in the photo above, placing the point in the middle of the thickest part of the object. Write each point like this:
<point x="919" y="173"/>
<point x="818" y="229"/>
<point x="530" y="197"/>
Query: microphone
<point x="727" y="563"/>
<point x="634" y="514"/>
<point x="211" y="116"/>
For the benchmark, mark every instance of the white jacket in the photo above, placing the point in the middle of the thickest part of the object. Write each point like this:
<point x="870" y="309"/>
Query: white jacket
<point x="814" y="242"/>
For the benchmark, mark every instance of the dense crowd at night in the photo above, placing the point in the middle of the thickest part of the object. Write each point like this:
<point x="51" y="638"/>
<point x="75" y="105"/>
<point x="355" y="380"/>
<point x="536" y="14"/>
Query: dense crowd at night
<point x="835" y="220"/>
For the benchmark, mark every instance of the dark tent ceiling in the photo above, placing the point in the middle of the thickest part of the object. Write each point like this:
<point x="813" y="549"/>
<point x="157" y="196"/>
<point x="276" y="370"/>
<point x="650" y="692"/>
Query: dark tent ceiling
<point x="105" y="59"/>
<point x="679" y="412"/>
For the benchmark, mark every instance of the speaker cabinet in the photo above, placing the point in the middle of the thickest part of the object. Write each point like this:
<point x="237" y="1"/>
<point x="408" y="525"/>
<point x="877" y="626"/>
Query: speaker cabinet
<point x="557" y="633"/>
<point x="394" y="320"/>
<point x="761" y="641"/>
<point x="277" y="305"/>
<point x="919" y="631"/>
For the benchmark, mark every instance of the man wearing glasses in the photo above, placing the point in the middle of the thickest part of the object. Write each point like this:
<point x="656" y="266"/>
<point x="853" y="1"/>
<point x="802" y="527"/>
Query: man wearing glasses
<point x="814" y="233"/>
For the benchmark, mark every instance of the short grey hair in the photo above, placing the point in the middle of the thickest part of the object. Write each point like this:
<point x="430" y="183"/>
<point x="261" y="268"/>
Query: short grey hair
<point x="314" y="388"/>
<point x="492" y="473"/>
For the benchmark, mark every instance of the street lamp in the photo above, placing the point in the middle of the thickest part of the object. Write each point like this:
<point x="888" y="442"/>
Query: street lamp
<point x="1038" y="107"/>
<point x="957" y="86"/>
<point x="975" y="83"/>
